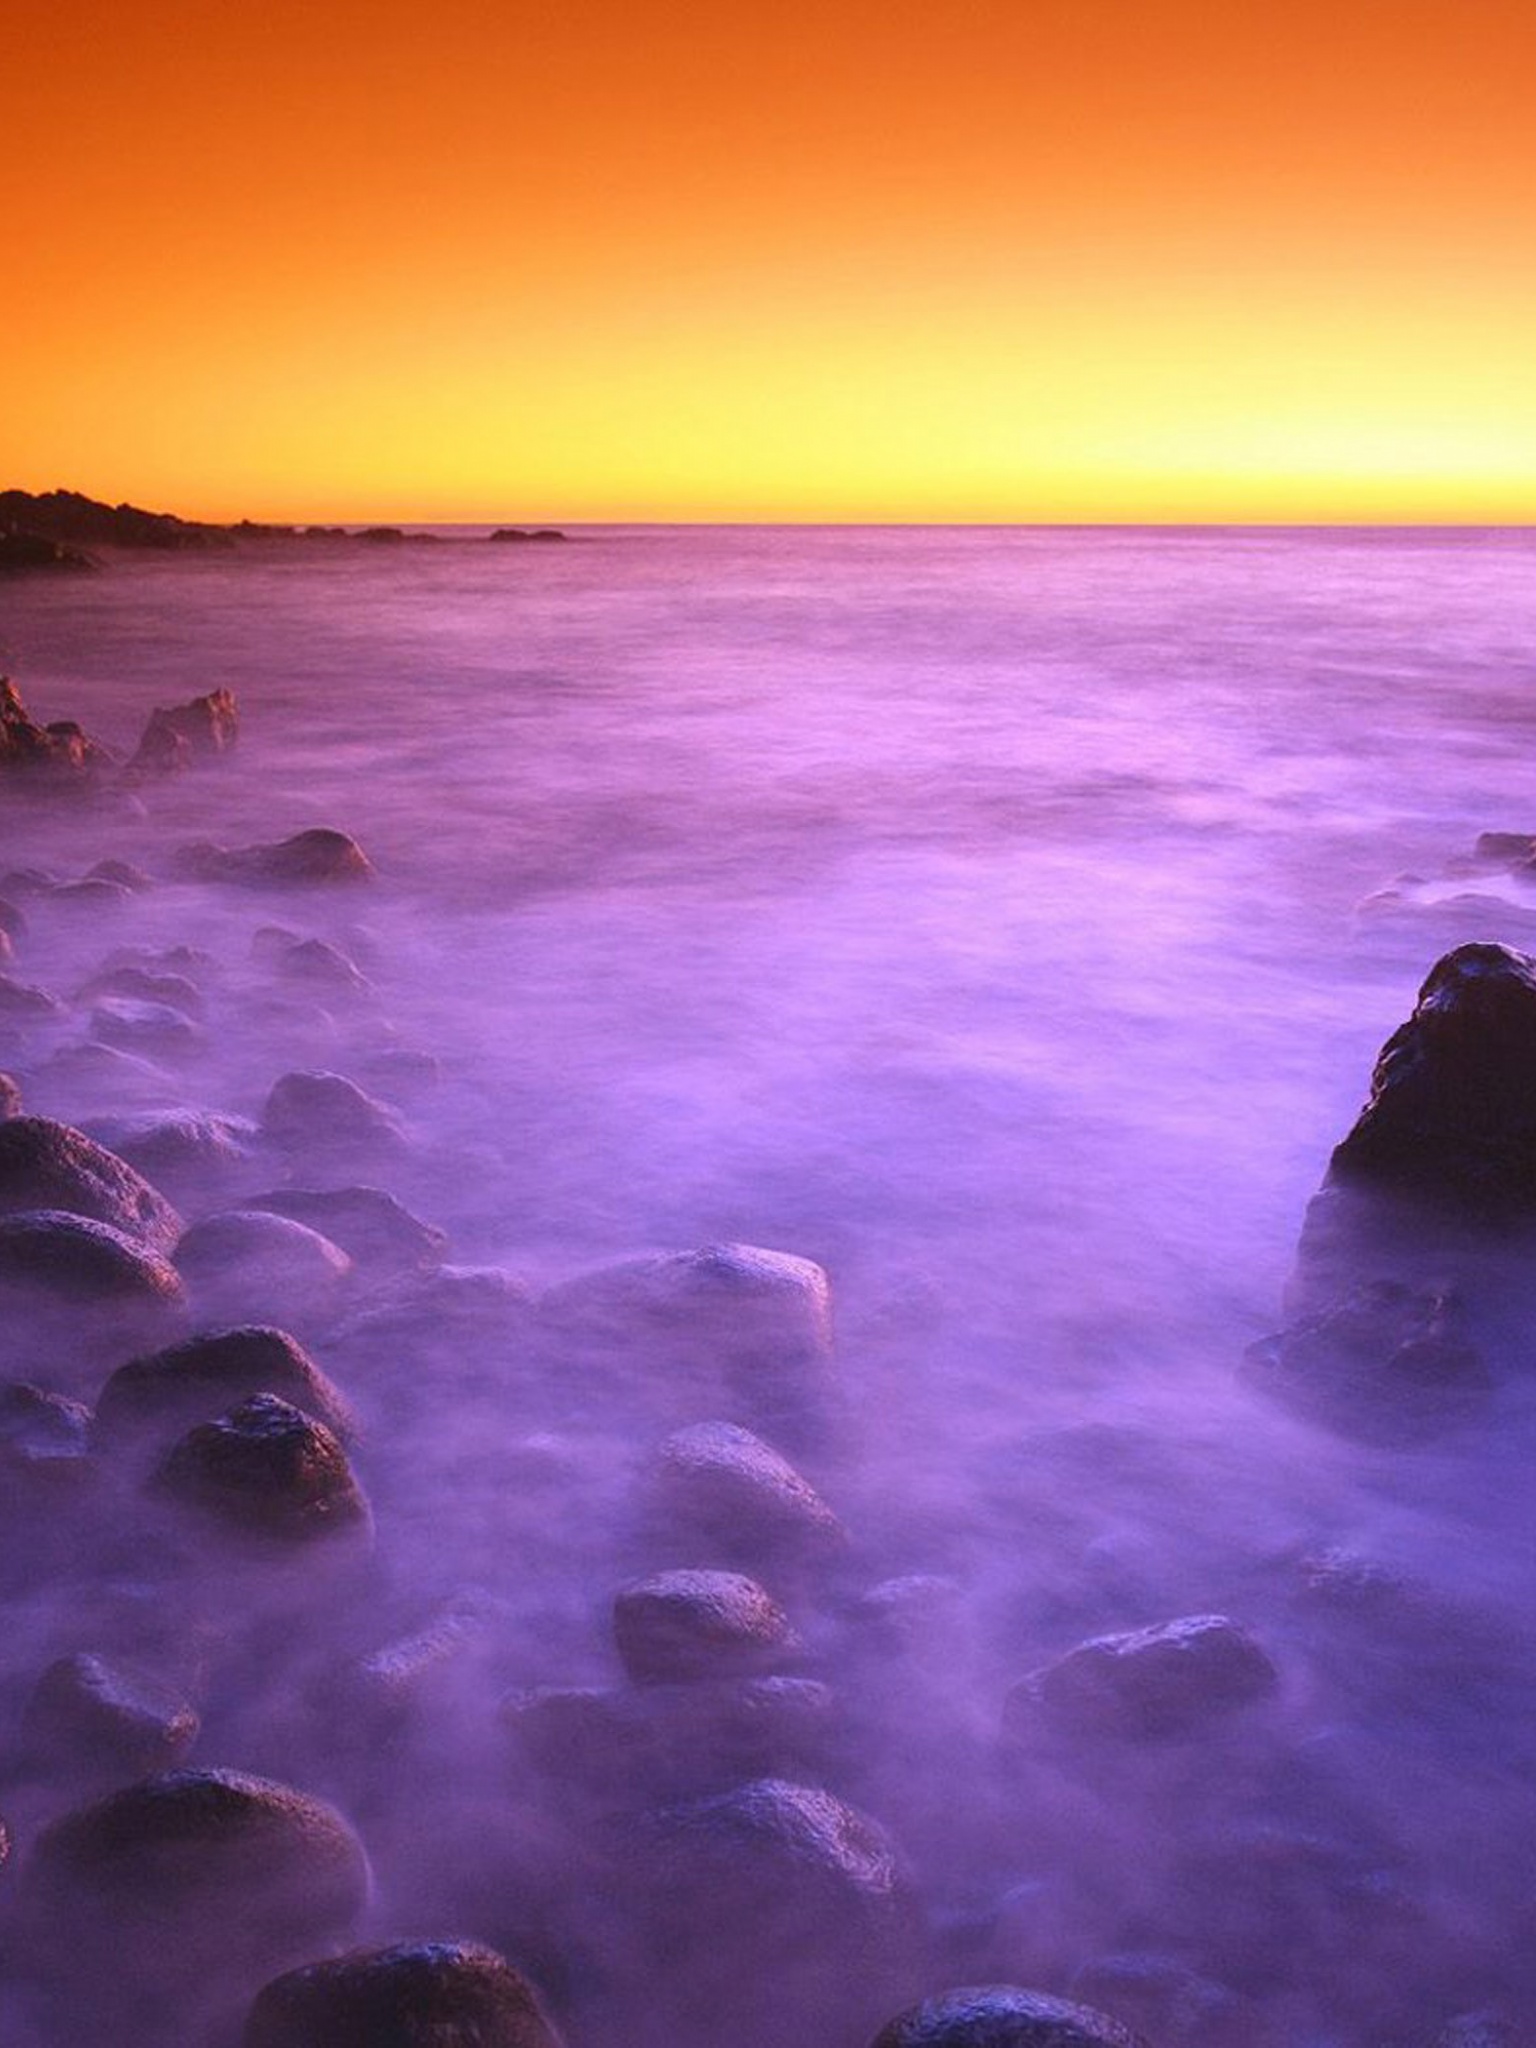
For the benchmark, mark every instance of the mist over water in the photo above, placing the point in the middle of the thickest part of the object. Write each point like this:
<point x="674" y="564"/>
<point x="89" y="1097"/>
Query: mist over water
<point x="976" y="913"/>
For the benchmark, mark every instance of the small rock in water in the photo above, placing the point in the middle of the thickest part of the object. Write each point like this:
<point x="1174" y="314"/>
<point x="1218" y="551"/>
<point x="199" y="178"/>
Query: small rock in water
<point x="1003" y="2016"/>
<point x="683" y="1625"/>
<point x="251" y="1265"/>
<point x="58" y="1256"/>
<point x="157" y="1030"/>
<point x="319" y="1114"/>
<point x="424" y="1994"/>
<point x="88" y="1717"/>
<point x="308" y="859"/>
<point x="267" y="1469"/>
<point x="24" y="1003"/>
<point x="44" y="1439"/>
<point x="189" y="1152"/>
<point x="1175" y="1679"/>
<point x="369" y="1225"/>
<point x="728" y="1489"/>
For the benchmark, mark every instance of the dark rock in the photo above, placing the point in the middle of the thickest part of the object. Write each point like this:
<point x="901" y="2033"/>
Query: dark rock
<point x="49" y="1165"/>
<point x="44" y="1439"/>
<point x="369" y="1225"/>
<point x="514" y="534"/>
<point x="59" y="1255"/>
<point x="188" y="1152"/>
<point x="730" y="1491"/>
<point x="180" y="734"/>
<point x="683" y="1625"/>
<point x="784" y="1917"/>
<point x="1508" y="849"/>
<point x="26" y="1004"/>
<point x="1175" y="1679"/>
<point x="437" y="1994"/>
<point x="308" y="858"/>
<point x="167" y="1391"/>
<point x="250" y="1264"/>
<point x="70" y="516"/>
<point x="89" y="1717"/>
<point x="1001" y="2016"/>
<point x="1451" y="1118"/>
<point x="268" y="1469"/>
<point x="10" y="1096"/>
<point x="140" y="985"/>
<point x="387" y="535"/>
<point x="183" y="1893"/>
<point x="155" y="1030"/>
<point x="1388" y="1364"/>
<point x="19" y="550"/>
<point x="56" y="755"/>
<point x="124" y="873"/>
<point x="319" y="1114"/>
<point x="317" y="964"/>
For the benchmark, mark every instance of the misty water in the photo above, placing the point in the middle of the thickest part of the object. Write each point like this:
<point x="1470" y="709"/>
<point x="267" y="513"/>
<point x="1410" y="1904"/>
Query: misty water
<point x="1006" y="920"/>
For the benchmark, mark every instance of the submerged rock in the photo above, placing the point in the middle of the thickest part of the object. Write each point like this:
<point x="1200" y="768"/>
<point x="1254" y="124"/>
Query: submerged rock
<point x="320" y="1114"/>
<point x="49" y="1165"/>
<point x="45" y="1440"/>
<point x="190" y="1152"/>
<point x="307" y="859"/>
<point x="1175" y="1679"/>
<point x="166" y="1392"/>
<point x="58" y="1256"/>
<point x="369" y="1225"/>
<point x="1003" y="2016"/>
<point x="90" y="1717"/>
<point x="191" y="1887"/>
<point x="725" y="1488"/>
<point x="683" y="1625"/>
<point x="249" y="1265"/>
<point x="269" y="1470"/>
<point x="423" y="1994"/>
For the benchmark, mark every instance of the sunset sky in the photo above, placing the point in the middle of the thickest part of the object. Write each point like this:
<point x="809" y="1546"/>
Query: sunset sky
<point x="1023" y="259"/>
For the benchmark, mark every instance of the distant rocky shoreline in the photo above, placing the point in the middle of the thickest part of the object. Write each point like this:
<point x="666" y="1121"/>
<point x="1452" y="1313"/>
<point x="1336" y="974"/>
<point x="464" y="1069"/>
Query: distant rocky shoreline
<point x="59" y="529"/>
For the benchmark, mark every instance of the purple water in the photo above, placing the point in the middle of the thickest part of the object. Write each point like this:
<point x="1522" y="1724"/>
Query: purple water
<point x="977" y="912"/>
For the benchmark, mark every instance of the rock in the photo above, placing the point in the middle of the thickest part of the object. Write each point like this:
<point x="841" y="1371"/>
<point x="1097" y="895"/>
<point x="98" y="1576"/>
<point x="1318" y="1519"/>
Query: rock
<point x="316" y="964"/>
<point x="166" y="1392"/>
<point x="45" y="1440"/>
<point x="123" y="873"/>
<point x="444" y="1314"/>
<point x="13" y="921"/>
<point x="19" y="550"/>
<point x="1171" y="2004"/>
<point x="191" y="1153"/>
<point x="326" y="1114"/>
<point x="20" y="1001"/>
<point x="155" y="1031"/>
<point x="424" y="1994"/>
<point x="249" y="1265"/>
<point x="55" y="756"/>
<point x="180" y="734"/>
<point x="182" y="1894"/>
<point x="88" y="1717"/>
<point x="380" y="1695"/>
<point x="269" y="1470"/>
<point x="753" y="1327"/>
<point x="10" y="1096"/>
<point x="370" y="1226"/>
<point x="1002" y="2016"/>
<point x="1388" y="1365"/>
<point x="782" y="1914"/>
<point x="55" y="1255"/>
<point x="726" y="1489"/>
<point x="683" y="1625"/>
<point x="514" y="534"/>
<point x="1451" y="1118"/>
<point x="1176" y="1679"/>
<point x="319" y="856"/>
<point x="139" y="984"/>
<point x="49" y="1165"/>
<point x="88" y="522"/>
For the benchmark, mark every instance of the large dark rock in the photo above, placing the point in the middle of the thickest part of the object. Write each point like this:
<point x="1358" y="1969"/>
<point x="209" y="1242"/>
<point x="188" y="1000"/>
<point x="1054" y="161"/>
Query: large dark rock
<point x="1176" y="1679"/>
<point x="70" y="516"/>
<point x="56" y="1256"/>
<point x="167" y="1392"/>
<point x="681" y="1625"/>
<point x="770" y="1916"/>
<point x="20" y="550"/>
<point x="191" y="1153"/>
<point x="174" y="1899"/>
<point x="305" y="860"/>
<point x="326" y="1116"/>
<point x="53" y="756"/>
<point x="422" y="1994"/>
<point x="49" y="1165"/>
<point x="1003" y="2016"/>
<point x="268" y="1470"/>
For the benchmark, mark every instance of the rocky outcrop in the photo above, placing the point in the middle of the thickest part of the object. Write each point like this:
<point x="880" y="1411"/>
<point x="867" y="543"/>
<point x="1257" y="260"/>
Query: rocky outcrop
<point x="68" y="516"/>
<point x="51" y="757"/>
<point x="181" y="734"/>
<point x="514" y="534"/>
<point x="22" y="550"/>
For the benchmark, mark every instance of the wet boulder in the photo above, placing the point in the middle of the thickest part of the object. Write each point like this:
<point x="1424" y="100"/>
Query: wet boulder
<point x="372" y="1228"/>
<point x="325" y="1116"/>
<point x="90" y="1717"/>
<point x="422" y="1994"/>
<point x="722" y="1487"/>
<point x="53" y="1256"/>
<point x="166" y="1392"/>
<point x="269" y="1471"/>
<point x="45" y="1443"/>
<point x="784" y="1916"/>
<point x="1389" y="1364"/>
<point x="184" y="1892"/>
<point x="249" y="1265"/>
<point x="49" y="1165"/>
<point x="317" y="964"/>
<point x="316" y="858"/>
<point x="192" y="1153"/>
<point x="682" y="1625"/>
<point x="1003" y="2016"/>
<point x="158" y="1031"/>
<point x="751" y="1327"/>
<point x="1174" y="1680"/>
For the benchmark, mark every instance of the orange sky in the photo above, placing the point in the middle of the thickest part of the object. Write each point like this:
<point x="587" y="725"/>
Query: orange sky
<point x="1085" y="259"/>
